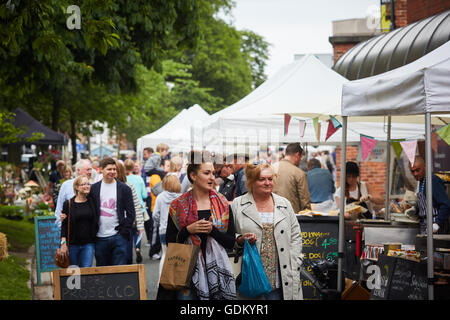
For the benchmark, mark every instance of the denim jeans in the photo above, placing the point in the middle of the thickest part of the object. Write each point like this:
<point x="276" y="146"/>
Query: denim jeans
<point x="81" y="255"/>
<point x="111" y="251"/>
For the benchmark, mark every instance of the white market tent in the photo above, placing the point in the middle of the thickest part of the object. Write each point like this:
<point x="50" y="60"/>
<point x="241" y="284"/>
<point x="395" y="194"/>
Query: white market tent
<point x="412" y="92"/>
<point x="177" y="132"/>
<point x="305" y="88"/>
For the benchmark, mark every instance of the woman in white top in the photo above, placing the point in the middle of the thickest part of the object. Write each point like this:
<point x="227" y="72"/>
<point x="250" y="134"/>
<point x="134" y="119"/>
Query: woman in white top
<point x="355" y="190"/>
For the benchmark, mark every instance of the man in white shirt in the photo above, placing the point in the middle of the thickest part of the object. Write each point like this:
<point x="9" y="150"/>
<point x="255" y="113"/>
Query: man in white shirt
<point x="116" y="214"/>
<point x="82" y="167"/>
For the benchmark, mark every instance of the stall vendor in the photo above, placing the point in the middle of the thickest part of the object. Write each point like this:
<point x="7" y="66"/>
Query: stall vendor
<point x="441" y="203"/>
<point x="355" y="191"/>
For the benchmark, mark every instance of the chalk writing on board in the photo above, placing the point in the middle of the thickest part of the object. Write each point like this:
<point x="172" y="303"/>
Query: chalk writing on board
<point x="48" y="236"/>
<point x="120" y="286"/>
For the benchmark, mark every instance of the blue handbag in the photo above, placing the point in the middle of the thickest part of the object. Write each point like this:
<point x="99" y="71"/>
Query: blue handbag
<point x="254" y="280"/>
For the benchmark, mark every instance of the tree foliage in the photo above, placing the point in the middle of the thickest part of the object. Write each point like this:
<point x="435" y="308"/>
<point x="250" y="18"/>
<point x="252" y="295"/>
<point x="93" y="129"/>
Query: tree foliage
<point x="132" y="65"/>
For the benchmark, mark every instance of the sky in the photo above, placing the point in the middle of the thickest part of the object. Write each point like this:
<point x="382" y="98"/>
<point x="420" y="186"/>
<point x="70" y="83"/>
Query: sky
<point x="296" y="26"/>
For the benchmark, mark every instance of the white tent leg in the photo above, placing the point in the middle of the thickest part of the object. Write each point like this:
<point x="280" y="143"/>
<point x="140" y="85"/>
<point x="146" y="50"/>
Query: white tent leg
<point x="429" y="196"/>
<point x="387" y="215"/>
<point x="342" y="206"/>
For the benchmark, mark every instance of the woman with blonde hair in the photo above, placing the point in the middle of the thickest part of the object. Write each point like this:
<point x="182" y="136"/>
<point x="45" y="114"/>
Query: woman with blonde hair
<point x="172" y="190"/>
<point x="268" y="220"/>
<point x="83" y="220"/>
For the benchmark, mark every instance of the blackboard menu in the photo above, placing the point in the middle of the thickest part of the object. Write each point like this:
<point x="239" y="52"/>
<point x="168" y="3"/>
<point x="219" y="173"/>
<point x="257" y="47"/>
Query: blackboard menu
<point x="401" y="279"/>
<point x="47" y="242"/>
<point x="100" y="283"/>
<point x="319" y="242"/>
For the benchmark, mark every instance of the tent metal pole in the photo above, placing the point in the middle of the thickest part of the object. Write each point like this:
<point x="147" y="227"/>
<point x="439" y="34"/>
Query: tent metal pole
<point x="429" y="197"/>
<point x="387" y="213"/>
<point x="342" y="206"/>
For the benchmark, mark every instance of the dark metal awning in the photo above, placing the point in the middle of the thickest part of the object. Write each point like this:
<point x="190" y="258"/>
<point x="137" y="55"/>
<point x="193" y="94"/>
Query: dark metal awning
<point x="394" y="49"/>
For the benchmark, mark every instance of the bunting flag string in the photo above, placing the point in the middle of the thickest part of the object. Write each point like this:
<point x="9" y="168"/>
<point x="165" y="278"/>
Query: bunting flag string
<point x="444" y="133"/>
<point x="409" y="147"/>
<point x="397" y="147"/>
<point x="367" y="145"/>
<point x="316" y="124"/>
<point x="333" y="126"/>
<point x="287" y="120"/>
<point x="302" y="124"/>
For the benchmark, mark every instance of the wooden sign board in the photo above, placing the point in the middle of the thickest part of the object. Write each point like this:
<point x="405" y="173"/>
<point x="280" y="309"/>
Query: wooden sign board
<point x="100" y="283"/>
<point x="47" y="237"/>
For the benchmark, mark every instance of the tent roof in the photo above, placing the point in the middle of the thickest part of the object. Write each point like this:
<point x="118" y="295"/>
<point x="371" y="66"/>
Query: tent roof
<point x="305" y="87"/>
<point x="51" y="137"/>
<point x="394" y="49"/>
<point x="414" y="89"/>
<point x="177" y="132"/>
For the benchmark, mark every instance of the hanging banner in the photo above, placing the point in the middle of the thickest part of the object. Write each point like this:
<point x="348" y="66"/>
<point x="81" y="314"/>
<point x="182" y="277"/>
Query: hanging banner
<point x="409" y="147"/>
<point x="444" y="133"/>
<point x="331" y="129"/>
<point x="302" y="125"/>
<point x="367" y="144"/>
<point x="287" y="120"/>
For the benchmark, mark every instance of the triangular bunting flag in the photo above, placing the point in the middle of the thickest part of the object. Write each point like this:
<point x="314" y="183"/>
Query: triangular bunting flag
<point x="397" y="147"/>
<point x="302" y="125"/>
<point x="287" y="120"/>
<point x="331" y="129"/>
<point x="409" y="147"/>
<point x="317" y="127"/>
<point x="444" y="133"/>
<point x="336" y="123"/>
<point x="367" y="145"/>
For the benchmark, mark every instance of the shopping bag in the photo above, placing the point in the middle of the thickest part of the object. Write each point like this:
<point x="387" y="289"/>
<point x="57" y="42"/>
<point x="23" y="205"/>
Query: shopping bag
<point x="254" y="280"/>
<point x="179" y="264"/>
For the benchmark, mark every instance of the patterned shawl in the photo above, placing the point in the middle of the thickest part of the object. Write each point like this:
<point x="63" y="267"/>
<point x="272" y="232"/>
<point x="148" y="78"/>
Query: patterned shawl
<point x="183" y="212"/>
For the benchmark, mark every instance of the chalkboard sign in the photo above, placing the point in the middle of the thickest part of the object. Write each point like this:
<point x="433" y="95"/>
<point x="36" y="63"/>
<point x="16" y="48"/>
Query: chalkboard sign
<point x="47" y="242"/>
<point x="401" y="279"/>
<point x="319" y="242"/>
<point x="100" y="283"/>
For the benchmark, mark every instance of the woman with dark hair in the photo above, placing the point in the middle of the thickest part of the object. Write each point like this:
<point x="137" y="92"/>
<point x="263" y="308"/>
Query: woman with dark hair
<point x="202" y="217"/>
<point x="356" y="191"/>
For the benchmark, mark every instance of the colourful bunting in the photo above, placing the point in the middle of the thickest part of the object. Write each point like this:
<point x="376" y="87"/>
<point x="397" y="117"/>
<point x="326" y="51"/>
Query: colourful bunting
<point x="444" y="133"/>
<point x="287" y="120"/>
<point x="331" y="129"/>
<point x="367" y="145"/>
<point x="409" y="147"/>
<point x="317" y="127"/>
<point x="336" y="123"/>
<point x="397" y="147"/>
<point x="302" y="124"/>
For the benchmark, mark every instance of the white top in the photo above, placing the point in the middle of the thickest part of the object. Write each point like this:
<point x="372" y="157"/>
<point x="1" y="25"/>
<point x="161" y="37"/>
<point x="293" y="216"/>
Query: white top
<point x="353" y="194"/>
<point x="108" y="210"/>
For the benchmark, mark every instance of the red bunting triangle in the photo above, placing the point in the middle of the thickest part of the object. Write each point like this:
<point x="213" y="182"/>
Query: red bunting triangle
<point x="331" y="129"/>
<point x="287" y="119"/>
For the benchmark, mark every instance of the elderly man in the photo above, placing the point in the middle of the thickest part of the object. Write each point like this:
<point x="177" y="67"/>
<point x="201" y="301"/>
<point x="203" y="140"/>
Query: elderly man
<point x="441" y="203"/>
<point x="291" y="181"/>
<point x="82" y="167"/>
